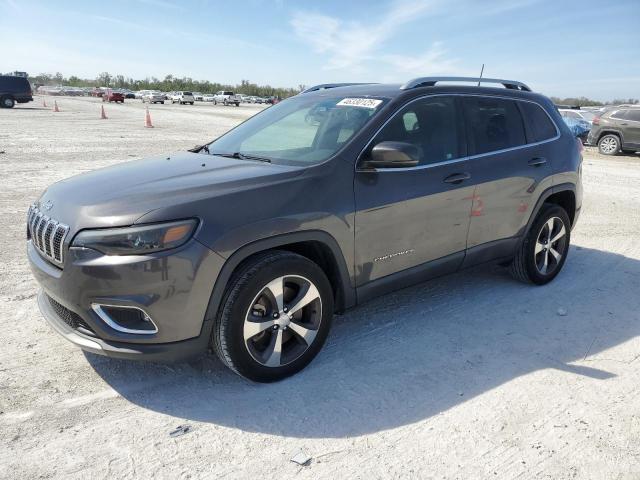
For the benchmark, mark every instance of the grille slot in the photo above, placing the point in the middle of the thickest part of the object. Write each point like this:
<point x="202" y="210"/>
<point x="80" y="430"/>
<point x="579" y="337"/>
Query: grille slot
<point x="47" y="235"/>
<point x="70" y="318"/>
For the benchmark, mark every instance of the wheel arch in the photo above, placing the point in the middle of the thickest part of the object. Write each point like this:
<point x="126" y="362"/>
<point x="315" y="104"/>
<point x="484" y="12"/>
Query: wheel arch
<point x="611" y="131"/>
<point x="563" y="195"/>
<point x="318" y="246"/>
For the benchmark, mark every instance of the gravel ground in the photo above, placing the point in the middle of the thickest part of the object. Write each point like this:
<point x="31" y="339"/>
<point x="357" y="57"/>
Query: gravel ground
<point x="470" y="376"/>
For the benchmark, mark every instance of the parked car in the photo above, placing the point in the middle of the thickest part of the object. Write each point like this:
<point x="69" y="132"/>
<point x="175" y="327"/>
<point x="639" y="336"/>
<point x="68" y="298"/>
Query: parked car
<point x="153" y="97"/>
<point x="112" y="96"/>
<point x="381" y="187"/>
<point x="207" y="97"/>
<point x="182" y="97"/>
<point x="579" y="127"/>
<point x="226" y="98"/>
<point x="97" y="92"/>
<point x="585" y="115"/>
<point x="616" y="130"/>
<point x="197" y="96"/>
<point x="129" y="94"/>
<point x="14" y="90"/>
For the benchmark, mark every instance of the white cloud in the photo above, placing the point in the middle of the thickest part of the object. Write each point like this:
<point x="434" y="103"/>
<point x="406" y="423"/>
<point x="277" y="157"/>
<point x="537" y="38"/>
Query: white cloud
<point x="432" y="62"/>
<point x="349" y="44"/>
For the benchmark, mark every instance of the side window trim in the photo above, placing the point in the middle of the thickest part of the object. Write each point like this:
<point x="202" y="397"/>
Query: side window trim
<point x="360" y="156"/>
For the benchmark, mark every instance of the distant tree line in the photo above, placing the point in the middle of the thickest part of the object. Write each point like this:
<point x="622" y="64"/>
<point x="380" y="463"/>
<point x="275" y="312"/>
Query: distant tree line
<point x="170" y="83"/>
<point x="587" y="102"/>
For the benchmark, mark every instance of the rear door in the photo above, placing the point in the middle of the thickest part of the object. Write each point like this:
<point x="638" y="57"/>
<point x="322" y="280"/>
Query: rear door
<point x="632" y="128"/>
<point x="510" y="164"/>
<point x="406" y="217"/>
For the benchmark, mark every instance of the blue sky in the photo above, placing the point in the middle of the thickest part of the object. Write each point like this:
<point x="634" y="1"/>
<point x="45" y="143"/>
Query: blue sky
<point x="559" y="47"/>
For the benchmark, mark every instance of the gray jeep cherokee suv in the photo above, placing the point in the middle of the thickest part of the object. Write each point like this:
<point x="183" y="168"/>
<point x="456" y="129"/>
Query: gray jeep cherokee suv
<point x="249" y="244"/>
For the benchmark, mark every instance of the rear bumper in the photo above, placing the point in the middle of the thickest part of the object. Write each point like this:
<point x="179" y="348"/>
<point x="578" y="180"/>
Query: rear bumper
<point x="159" y="352"/>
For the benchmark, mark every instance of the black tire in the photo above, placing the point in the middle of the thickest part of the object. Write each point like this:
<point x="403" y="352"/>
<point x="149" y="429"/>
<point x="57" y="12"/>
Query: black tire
<point x="243" y="290"/>
<point x="526" y="264"/>
<point x="7" y="102"/>
<point x="609" y="144"/>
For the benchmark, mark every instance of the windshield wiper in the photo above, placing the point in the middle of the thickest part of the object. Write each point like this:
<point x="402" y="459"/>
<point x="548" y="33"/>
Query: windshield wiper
<point x="242" y="156"/>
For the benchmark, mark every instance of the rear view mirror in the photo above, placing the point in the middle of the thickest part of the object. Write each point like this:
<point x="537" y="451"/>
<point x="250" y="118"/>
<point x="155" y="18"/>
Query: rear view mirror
<point x="393" y="155"/>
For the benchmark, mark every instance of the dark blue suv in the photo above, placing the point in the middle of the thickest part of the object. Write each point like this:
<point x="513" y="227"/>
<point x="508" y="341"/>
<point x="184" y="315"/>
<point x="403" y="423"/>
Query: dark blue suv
<point x="250" y="243"/>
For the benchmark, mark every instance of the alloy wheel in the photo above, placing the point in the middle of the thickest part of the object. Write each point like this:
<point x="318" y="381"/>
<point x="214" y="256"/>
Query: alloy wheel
<point x="283" y="320"/>
<point x="609" y="145"/>
<point x="551" y="244"/>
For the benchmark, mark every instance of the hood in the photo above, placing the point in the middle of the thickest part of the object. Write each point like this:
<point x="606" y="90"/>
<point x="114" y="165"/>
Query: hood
<point x="121" y="194"/>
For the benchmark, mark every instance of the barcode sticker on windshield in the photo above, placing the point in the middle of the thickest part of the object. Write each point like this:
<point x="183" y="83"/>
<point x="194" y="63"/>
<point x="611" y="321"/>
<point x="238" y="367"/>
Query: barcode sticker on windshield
<point x="359" y="102"/>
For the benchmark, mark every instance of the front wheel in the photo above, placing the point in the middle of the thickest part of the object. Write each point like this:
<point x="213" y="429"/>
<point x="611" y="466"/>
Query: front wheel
<point x="609" y="145"/>
<point x="275" y="316"/>
<point x="544" y="249"/>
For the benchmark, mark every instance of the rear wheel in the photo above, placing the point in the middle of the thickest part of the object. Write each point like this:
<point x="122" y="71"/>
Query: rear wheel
<point x="609" y="144"/>
<point x="7" y="102"/>
<point x="544" y="249"/>
<point x="275" y="316"/>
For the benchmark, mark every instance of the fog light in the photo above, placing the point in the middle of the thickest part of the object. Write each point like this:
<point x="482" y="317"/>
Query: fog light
<point x="125" y="319"/>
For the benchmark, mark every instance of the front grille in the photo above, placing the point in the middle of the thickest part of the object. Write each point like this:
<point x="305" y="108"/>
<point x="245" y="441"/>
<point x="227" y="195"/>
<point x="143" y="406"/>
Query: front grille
<point x="47" y="235"/>
<point x="70" y="318"/>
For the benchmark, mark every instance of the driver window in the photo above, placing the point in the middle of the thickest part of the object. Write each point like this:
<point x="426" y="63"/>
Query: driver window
<point x="431" y="124"/>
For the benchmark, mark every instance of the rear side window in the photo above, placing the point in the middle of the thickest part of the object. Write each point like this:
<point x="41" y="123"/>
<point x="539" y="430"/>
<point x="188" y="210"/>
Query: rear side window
<point x="186" y="93"/>
<point x="494" y="124"/>
<point x="633" y="115"/>
<point x="540" y="125"/>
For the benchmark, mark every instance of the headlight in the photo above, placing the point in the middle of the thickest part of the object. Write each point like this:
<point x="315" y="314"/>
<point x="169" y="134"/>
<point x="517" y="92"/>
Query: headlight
<point x="137" y="240"/>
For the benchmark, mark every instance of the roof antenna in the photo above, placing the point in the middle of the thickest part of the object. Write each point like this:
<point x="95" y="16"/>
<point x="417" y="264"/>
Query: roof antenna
<point x="481" y="72"/>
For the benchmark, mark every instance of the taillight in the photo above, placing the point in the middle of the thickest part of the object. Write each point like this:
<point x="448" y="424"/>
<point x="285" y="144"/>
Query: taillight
<point x="596" y="121"/>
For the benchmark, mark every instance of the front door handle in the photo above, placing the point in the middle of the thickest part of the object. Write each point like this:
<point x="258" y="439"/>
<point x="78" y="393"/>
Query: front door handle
<point x="457" y="178"/>
<point x="536" y="162"/>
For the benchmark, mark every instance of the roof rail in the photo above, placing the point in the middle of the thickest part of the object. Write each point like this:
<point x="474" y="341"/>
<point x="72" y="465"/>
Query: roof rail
<point x="431" y="81"/>
<point x="325" y="86"/>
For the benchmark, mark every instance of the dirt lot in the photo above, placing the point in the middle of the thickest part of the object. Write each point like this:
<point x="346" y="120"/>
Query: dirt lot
<point x="471" y="376"/>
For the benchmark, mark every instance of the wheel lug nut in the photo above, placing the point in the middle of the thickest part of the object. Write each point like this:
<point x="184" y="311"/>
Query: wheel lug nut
<point x="275" y="327"/>
<point x="286" y="309"/>
<point x="275" y="315"/>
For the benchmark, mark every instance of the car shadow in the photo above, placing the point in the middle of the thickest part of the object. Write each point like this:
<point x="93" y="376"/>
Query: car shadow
<point x="412" y="354"/>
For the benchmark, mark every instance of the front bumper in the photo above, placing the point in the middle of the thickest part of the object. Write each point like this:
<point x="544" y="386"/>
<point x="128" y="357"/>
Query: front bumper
<point x="159" y="352"/>
<point x="172" y="287"/>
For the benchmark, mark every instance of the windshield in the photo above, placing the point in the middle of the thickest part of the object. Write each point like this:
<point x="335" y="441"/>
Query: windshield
<point x="302" y="130"/>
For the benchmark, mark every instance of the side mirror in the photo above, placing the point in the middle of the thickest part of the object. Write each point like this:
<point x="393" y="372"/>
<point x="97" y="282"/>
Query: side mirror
<point x="393" y="155"/>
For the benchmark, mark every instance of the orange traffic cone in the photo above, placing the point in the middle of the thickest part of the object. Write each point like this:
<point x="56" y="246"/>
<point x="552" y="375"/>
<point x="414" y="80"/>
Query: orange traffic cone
<point x="55" y="106"/>
<point x="147" y="119"/>
<point x="44" y="102"/>
<point x="103" y="116"/>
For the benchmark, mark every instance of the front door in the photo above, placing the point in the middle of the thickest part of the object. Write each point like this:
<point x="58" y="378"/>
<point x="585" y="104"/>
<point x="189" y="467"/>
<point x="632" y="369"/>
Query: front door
<point x="406" y="217"/>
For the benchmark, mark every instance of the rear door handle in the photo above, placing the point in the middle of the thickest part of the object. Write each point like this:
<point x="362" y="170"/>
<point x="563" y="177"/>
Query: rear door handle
<point x="536" y="162"/>
<point x="457" y="178"/>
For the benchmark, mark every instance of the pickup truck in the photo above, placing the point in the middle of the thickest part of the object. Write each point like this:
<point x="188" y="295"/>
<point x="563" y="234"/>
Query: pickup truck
<point x="226" y="98"/>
